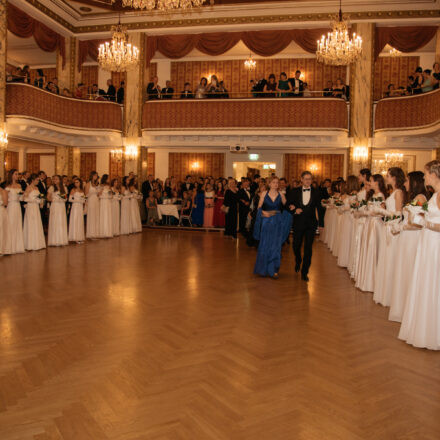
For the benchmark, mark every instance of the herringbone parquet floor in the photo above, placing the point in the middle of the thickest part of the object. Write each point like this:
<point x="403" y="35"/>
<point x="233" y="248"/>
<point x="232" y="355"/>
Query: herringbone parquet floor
<point x="169" y="336"/>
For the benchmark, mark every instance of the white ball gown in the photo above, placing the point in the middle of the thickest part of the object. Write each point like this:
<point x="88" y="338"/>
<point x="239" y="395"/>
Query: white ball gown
<point x="126" y="213"/>
<point x="345" y="232"/>
<point x="402" y="270"/>
<point x="386" y="260"/>
<point x="76" y="220"/>
<point x="93" y="212"/>
<point x="105" y="213"/>
<point x="15" y="220"/>
<point x="116" y="213"/>
<point x="5" y="237"/>
<point x="57" y="233"/>
<point x="421" y="317"/>
<point x="33" y="233"/>
<point x="136" y="223"/>
<point x="359" y="221"/>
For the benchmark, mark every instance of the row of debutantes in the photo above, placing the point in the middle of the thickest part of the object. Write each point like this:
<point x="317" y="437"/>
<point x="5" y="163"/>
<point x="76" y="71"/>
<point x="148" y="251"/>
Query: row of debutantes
<point x="389" y="241"/>
<point x="110" y="209"/>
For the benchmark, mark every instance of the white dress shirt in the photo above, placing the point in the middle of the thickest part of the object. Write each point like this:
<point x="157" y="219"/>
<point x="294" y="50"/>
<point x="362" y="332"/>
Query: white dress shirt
<point x="296" y="89"/>
<point x="306" y="194"/>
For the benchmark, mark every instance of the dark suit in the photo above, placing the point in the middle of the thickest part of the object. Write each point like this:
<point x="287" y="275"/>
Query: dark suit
<point x="146" y="188"/>
<point x="186" y="94"/>
<point x="243" y="208"/>
<point x="120" y="95"/>
<point x="301" y="87"/>
<point x="42" y="187"/>
<point x="111" y="93"/>
<point x="304" y="225"/>
<point x="184" y="187"/>
<point x="167" y="93"/>
<point x="153" y="91"/>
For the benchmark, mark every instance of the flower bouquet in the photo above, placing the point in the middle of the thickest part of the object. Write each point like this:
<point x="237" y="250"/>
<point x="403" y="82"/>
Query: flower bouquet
<point x="416" y="212"/>
<point x="63" y="197"/>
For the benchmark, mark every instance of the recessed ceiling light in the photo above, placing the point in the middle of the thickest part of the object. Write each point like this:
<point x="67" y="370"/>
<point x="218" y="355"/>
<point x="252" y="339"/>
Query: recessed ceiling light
<point x="85" y="9"/>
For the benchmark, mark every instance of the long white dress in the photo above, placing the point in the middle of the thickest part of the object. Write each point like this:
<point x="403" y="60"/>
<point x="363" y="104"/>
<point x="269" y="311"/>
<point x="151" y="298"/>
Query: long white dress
<point x="421" y="317"/>
<point x="345" y="232"/>
<point x="356" y="236"/>
<point x="105" y="213"/>
<point x="136" y="223"/>
<point x="93" y="212"/>
<point x="5" y="237"/>
<point x="386" y="259"/>
<point x="15" y="220"/>
<point x="126" y="213"/>
<point x="33" y="233"/>
<point x="369" y="251"/>
<point x="116" y="213"/>
<point x="338" y="236"/>
<point x="76" y="220"/>
<point x="57" y="233"/>
<point x="402" y="270"/>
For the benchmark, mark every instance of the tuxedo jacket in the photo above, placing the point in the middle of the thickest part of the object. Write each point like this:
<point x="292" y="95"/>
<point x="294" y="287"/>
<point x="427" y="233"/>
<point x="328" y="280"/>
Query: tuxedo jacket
<point x="242" y="195"/>
<point x="301" y="87"/>
<point x="146" y="188"/>
<point x="167" y="93"/>
<point x="183" y="188"/>
<point x="42" y="188"/>
<point x="308" y="217"/>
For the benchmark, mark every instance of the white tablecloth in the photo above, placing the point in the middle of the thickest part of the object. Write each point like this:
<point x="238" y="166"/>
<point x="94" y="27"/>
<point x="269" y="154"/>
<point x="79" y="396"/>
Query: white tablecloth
<point x="171" y="210"/>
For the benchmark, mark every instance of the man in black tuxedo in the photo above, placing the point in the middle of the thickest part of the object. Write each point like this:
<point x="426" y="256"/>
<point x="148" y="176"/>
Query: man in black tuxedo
<point x="167" y="91"/>
<point x="153" y="89"/>
<point x="297" y="85"/>
<point x="111" y="91"/>
<point x="244" y="202"/>
<point x="187" y="186"/>
<point x="187" y="93"/>
<point x="147" y="186"/>
<point x="303" y="203"/>
<point x="42" y="187"/>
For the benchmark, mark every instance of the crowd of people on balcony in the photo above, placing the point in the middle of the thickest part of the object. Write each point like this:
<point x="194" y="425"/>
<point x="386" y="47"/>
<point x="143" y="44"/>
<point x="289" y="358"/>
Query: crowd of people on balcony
<point x="421" y="81"/>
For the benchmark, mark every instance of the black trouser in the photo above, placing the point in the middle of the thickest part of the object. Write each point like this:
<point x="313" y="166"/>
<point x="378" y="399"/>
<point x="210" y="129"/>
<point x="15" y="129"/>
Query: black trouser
<point x="242" y="218"/>
<point x="231" y="223"/>
<point x="308" y="235"/>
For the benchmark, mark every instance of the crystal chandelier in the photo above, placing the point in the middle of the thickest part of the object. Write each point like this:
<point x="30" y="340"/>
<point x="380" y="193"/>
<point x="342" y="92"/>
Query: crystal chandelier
<point x="250" y="64"/>
<point x="338" y="49"/>
<point x="395" y="53"/>
<point x="162" y="5"/>
<point x="131" y="152"/>
<point x="118" y="55"/>
<point x="3" y="140"/>
<point x="391" y="160"/>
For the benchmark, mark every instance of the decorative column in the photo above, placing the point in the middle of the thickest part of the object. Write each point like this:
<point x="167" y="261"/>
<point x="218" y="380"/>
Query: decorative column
<point x="3" y="48"/>
<point x="74" y="161"/>
<point x="133" y="101"/>
<point x="437" y="46"/>
<point x="68" y="77"/>
<point x="361" y="101"/>
<point x="62" y="160"/>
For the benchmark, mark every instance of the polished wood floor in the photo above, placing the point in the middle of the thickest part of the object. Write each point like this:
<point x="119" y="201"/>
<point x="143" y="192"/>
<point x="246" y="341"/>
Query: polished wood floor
<point x="168" y="335"/>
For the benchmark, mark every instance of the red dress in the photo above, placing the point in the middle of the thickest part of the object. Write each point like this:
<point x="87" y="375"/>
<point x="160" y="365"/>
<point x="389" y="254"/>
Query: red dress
<point x="219" y="216"/>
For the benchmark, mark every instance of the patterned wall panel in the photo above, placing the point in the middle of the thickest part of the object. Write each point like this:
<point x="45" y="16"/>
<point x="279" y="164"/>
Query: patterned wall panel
<point x="88" y="164"/>
<point x="33" y="162"/>
<point x="328" y="165"/>
<point x="208" y="164"/>
<point x="89" y="75"/>
<point x="115" y="166"/>
<point x="11" y="160"/>
<point x="117" y="78"/>
<point x="153" y="71"/>
<point x="392" y="70"/>
<point x="50" y="74"/>
<point x="151" y="164"/>
<point x="237" y="77"/>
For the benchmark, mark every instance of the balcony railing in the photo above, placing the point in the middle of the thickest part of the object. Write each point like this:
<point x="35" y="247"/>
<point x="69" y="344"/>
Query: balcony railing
<point x="263" y="113"/>
<point x="25" y="101"/>
<point x="418" y="111"/>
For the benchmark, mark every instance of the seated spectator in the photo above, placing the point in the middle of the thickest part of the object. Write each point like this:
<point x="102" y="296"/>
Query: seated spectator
<point x="51" y="87"/>
<point x="111" y="91"/>
<point x="153" y="89"/>
<point x="202" y="89"/>
<point x="391" y="91"/>
<point x="418" y="81"/>
<point x="167" y="91"/>
<point x="436" y="75"/>
<point x="40" y="80"/>
<point x="67" y="93"/>
<point x="151" y="205"/>
<point x="80" y="91"/>
<point x="328" y="91"/>
<point x="306" y="93"/>
<point x="186" y="203"/>
<point x="257" y="87"/>
<point x="284" y="87"/>
<point x="222" y="92"/>
<point x="339" y="90"/>
<point x="94" y="91"/>
<point x="120" y="93"/>
<point x="409" y="84"/>
<point x="427" y="85"/>
<point x="297" y="84"/>
<point x="26" y="74"/>
<point x="187" y="93"/>
<point x="213" y="87"/>
<point x="55" y="86"/>
<point x="271" y="87"/>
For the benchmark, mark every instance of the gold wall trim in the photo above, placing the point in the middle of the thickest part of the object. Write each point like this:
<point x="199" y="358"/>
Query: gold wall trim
<point x="287" y="18"/>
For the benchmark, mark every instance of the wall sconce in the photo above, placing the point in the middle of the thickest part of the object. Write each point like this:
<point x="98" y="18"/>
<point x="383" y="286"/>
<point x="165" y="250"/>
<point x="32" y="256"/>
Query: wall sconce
<point x="313" y="167"/>
<point x="360" y="154"/>
<point x="117" y="153"/>
<point x="3" y="140"/>
<point x="131" y="152"/>
<point x="195" y="165"/>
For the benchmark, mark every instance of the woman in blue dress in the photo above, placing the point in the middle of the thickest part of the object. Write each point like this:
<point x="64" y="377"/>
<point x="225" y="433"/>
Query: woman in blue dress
<point x="198" y="205"/>
<point x="272" y="228"/>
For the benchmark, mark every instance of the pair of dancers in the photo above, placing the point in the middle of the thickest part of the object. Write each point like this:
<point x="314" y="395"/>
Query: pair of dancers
<point x="276" y="214"/>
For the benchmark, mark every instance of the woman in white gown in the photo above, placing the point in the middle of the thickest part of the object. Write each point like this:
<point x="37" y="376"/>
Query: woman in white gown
<point x="33" y="233"/>
<point x="136" y="223"/>
<point x="421" y="317"/>
<point x="395" y="179"/>
<point x="116" y="207"/>
<point x="92" y="193"/>
<point x="370" y="245"/>
<point x="76" y="220"/>
<point x="406" y="246"/>
<point x="125" y="208"/>
<point x="347" y="223"/>
<point x="15" y="194"/>
<point x="5" y="238"/>
<point x="57" y="196"/>
<point x="105" y="208"/>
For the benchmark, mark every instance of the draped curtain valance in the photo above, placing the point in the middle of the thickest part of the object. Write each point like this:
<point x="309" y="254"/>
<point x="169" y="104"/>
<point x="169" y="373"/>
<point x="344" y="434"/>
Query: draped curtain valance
<point x="403" y="38"/>
<point x="88" y="48"/>
<point x="24" y="26"/>
<point x="263" y="43"/>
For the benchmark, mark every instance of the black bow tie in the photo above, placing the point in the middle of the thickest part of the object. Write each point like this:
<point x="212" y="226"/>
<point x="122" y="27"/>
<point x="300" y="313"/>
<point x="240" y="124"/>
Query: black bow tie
<point x="306" y="189"/>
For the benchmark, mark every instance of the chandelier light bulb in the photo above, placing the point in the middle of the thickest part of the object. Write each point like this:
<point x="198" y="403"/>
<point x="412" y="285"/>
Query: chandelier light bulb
<point x="250" y="63"/>
<point x="162" y="5"/>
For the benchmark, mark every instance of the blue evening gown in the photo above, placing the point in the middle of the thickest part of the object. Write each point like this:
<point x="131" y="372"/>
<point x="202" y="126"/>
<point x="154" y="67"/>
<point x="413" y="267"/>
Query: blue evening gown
<point x="197" y="213"/>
